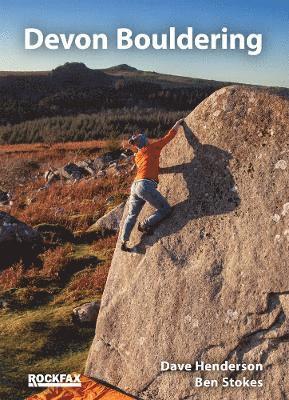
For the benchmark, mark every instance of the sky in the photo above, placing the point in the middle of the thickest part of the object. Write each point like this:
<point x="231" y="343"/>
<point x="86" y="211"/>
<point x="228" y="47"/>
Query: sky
<point x="269" y="17"/>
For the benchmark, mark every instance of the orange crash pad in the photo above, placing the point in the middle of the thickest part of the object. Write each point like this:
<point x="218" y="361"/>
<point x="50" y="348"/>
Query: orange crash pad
<point x="89" y="390"/>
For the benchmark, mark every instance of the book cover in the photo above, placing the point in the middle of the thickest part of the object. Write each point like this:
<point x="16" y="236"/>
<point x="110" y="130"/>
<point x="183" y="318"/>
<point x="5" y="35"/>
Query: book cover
<point x="144" y="206"/>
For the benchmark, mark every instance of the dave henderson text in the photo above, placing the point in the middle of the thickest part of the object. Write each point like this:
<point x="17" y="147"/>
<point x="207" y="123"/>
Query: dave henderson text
<point x="201" y="366"/>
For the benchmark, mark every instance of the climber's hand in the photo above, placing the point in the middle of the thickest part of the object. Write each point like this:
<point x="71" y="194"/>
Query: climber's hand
<point x="178" y="123"/>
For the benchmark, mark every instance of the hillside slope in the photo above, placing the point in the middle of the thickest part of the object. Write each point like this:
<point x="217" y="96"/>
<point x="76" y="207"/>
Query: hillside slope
<point x="74" y="88"/>
<point x="212" y="283"/>
<point x="38" y="295"/>
<point x="76" y="103"/>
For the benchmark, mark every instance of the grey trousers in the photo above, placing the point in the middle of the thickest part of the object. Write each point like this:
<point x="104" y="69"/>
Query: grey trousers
<point x="142" y="191"/>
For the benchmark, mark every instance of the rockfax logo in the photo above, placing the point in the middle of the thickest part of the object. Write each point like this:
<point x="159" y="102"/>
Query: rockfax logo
<point x="54" y="380"/>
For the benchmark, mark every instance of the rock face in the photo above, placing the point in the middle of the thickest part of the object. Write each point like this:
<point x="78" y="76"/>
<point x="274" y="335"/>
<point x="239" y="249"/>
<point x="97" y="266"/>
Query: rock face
<point x="17" y="240"/>
<point x="211" y="284"/>
<point x="109" y="222"/>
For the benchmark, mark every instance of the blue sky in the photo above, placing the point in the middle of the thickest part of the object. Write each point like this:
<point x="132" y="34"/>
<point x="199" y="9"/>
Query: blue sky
<point x="269" y="17"/>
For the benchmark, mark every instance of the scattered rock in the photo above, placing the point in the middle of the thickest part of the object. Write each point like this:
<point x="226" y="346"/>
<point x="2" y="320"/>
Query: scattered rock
<point x="86" y="314"/>
<point x="86" y="165"/>
<point x="17" y="240"/>
<point x="51" y="176"/>
<point x="5" y="198"/>
<point x="111" y="163"/>
<point x="104" y="161"/>
<point x="113" y="170"/>
<point x="72" y="171"/>
<point x="109" y="222"/>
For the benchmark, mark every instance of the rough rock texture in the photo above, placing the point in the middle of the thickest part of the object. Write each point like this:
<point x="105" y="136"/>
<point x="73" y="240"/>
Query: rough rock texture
<point x="212" y="283"/>
<point x="109" y="222"/>
<point x="86" y="313"/>
<point x="17" y="240"/>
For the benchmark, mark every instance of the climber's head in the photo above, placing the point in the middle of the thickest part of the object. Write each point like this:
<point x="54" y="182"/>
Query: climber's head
<point x="139" y="140"/>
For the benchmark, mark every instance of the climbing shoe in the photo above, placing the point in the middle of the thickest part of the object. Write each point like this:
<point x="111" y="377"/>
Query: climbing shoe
<point x="148" y="230"/>
<point x="124" y="247"/>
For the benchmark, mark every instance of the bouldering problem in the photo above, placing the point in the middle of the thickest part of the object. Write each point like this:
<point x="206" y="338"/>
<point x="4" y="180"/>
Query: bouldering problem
<point x="212" y="283"/>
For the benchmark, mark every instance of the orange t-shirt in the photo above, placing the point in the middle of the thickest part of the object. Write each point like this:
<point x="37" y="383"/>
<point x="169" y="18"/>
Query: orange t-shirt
<point x="147" y="159"/>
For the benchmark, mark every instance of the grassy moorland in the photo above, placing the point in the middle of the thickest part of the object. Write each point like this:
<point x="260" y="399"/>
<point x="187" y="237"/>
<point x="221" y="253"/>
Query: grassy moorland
<point x="37" y="332"/>
<point x="48" y="119"/>
<point x="76" y="103"/>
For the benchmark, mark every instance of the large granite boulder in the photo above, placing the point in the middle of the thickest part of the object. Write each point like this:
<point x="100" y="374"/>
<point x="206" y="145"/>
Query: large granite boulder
<point x="17" y="240"/>
<point x="212" y="283"/>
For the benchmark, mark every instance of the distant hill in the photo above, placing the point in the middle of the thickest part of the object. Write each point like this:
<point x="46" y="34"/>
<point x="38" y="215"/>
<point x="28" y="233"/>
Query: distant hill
<point x="35" y="103"/>
<point x="120" y="68"/>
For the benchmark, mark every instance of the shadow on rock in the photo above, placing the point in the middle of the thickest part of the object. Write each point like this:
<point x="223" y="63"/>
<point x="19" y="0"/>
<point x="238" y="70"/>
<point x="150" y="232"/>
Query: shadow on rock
<point x="211" y="186"/>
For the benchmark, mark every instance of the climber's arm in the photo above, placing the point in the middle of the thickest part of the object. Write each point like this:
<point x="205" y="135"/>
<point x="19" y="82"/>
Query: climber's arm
<point x="169" y="136"/>
<point x="166" y="139"/>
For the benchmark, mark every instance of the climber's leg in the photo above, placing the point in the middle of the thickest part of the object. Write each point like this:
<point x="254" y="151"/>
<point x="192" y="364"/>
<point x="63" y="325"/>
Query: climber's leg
<point x="135" y="205"/>
<point x="147" y="190"/>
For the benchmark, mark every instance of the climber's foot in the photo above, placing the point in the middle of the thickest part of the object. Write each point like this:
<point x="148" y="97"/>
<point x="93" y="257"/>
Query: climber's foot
<point x="148" y="230"/>
<point x="124" y="247"/>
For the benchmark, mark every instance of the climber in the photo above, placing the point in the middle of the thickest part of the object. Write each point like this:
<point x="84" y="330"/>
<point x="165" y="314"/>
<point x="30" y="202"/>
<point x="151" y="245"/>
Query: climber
<point x="144" y="187"/>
